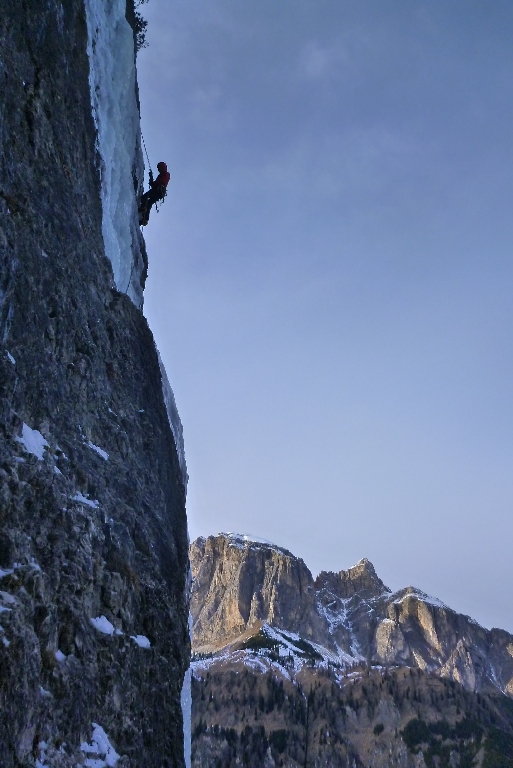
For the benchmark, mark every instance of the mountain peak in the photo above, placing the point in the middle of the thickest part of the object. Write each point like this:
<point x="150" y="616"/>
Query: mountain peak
<point x="363" y="565"/>
<point x="360" y="579"/>
<point x="242" y="584"/>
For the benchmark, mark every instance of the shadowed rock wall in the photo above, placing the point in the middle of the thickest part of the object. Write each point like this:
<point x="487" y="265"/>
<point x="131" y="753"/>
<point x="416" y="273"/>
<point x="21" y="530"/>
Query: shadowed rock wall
<point x="92" y="502"/>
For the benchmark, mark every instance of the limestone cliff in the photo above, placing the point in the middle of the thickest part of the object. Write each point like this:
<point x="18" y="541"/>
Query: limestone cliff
<point x="237" y="584"/>
<point x="93" y="540"/>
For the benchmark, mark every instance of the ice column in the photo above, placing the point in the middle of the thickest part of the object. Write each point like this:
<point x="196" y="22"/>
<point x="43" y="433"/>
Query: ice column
<point x="174" y="421"/>
<point x="112" y="81"/>
<point x="186" y="699"/>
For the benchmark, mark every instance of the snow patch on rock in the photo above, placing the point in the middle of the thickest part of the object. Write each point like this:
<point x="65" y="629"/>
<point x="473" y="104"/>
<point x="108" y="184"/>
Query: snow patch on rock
<point x="413" y="592"/>
<point x="99" y="451"/>
<point x="141" y="640"/>
<point x="102" y="624"/>
<point x="41" y="763"/>
<point x="33" y="441"/>
<point x="243" y="540"/>
<point x="105" y="756"/>
<point x="84" y="500"/>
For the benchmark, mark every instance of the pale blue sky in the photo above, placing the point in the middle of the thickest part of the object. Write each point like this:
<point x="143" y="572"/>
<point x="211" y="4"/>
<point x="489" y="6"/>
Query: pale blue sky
<point x="331" y="278"/>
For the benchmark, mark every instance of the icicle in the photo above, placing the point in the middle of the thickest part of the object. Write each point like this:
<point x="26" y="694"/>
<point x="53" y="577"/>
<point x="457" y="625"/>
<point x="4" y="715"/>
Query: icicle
<point x="174" y="421"/>
<point x="186" y="700"/>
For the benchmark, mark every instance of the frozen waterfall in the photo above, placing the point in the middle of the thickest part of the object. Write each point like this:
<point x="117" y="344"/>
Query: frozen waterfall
<point x="112" y="81"/>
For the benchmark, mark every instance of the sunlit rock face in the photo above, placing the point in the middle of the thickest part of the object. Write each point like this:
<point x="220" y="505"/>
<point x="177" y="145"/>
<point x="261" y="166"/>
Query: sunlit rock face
<point x="361" y="579"/>
<point x="93" y="541"/>
<point x="240" y="584"/>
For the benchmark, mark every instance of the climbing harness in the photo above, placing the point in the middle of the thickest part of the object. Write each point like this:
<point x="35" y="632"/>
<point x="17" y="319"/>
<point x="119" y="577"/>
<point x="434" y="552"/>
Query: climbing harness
<point x="161" y="201"/>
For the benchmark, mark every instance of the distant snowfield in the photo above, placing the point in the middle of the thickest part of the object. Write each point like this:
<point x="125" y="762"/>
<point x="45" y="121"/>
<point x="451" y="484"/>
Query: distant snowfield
<point x="289" y="655"/>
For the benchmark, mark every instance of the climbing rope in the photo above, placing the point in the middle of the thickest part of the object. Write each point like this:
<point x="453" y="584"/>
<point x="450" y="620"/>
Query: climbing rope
<point x="146" y="152"/>
<point x="130" y="278"/>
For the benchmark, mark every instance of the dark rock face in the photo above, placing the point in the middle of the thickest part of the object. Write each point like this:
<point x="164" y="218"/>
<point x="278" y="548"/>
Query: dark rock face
<point x="371" y="718"/>
<point x="92" y="500"/>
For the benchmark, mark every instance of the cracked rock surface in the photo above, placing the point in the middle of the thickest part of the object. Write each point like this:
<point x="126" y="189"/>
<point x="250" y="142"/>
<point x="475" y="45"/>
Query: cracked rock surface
<point x="93" y="538"/>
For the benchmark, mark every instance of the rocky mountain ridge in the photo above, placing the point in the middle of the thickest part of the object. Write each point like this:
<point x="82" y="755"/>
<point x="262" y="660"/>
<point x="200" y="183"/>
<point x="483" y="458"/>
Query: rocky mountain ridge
<point x="241" y="585"/>
<point x="291" y="671"/>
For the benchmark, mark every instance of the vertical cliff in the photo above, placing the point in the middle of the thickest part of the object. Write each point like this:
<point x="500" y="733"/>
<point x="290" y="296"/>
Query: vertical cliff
<point x="93" y="540"/>
<point x="239" y="583"/>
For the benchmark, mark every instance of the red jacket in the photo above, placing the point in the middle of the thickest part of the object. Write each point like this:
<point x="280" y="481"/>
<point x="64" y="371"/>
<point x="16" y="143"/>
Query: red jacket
<point x="162" y="179"/>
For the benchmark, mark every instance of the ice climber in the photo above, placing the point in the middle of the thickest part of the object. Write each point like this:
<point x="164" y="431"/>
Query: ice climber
<point x="156" y="193"/>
